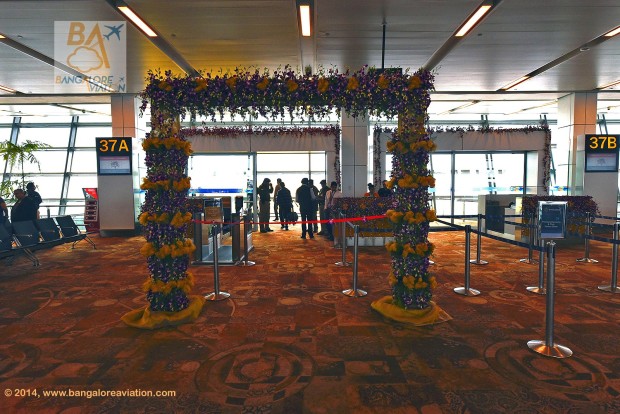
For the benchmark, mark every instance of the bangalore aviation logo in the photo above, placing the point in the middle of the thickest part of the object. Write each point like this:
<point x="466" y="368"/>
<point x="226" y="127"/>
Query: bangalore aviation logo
<point x="94" y="54"/>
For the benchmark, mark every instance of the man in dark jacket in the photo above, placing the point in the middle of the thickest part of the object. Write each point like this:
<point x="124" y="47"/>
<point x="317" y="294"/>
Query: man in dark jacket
<point x="24" y="208"/>
<point x="285" y="205"/>
<point x="264" y="206"/>
<point x="306" y="200"/>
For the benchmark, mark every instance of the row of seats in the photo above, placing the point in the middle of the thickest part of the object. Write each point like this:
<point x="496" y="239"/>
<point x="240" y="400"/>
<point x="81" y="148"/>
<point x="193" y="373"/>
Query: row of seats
<point x="30" y="236"/>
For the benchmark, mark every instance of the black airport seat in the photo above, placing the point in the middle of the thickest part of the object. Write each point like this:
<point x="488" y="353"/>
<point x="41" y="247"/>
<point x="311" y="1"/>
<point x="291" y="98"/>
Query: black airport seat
<point x="50" y="233"/>
<point x="71" y="232"/>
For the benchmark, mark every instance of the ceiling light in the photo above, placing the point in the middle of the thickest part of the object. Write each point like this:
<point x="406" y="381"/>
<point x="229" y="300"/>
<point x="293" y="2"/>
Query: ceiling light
<point x="5" y="89"/>
<point x="613" y="32"/>
<point x="466" y="105"/>
<point x="2" y="36"/>
<point x="515" y="83"/>
<point x="609" y="85"/>
<point x="469" y="24"/>
<point x="304" y="15"/>
<point x="137" y="21"/>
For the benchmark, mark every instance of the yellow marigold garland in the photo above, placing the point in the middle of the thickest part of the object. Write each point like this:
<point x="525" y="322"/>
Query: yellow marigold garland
<point x="184" y="284"/>
<point x="181" y="185"/>
<point x="167" y="143"/>
<point x="177" y="220"/>
<point x="178" y="249"/>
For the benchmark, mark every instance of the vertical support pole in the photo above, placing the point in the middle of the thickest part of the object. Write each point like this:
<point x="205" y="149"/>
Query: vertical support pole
<point x="343" y="243"/>
<point x="548" y="347"/>
<point x="466" y="290"/>
<point x="530" y="250"/>
<point x="613" y="287"/>
<point x="586" y="253"/>
<point x="197" y="236"/>
<point x="355" y="292"/>
<point x="479" y="244"/>
<point x="540" y="289"/>
<point x="216" y="295"/>
<point x="246" y="249"/>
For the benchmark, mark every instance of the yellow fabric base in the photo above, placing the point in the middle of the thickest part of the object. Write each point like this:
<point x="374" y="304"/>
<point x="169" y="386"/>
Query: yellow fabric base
<point x="418" y="317"/>
<point x="146" y="319"/>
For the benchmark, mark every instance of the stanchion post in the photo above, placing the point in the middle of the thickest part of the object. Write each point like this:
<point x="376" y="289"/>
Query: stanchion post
<point x="343" y="243"/>
<point x="466" y="290"/>
<point x="530" y="250"/>
<point x="197" y="236"/>
<point x="586" y="253"/>
<point x="613" y="287"/>
<point x="548" y="347"/>
<point x="246" y="251"/>
<point x="479" y="244"/>
<point x="355" y="292"/>
<point x="216" y="295"/>
<point x="540" y="289"/>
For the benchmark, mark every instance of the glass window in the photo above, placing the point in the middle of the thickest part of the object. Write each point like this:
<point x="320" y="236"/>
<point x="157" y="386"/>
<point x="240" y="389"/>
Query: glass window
<point x="283" y="162"/>
<point x="5" y="133"/>
<point x="51" y="161"/>
<point x="85" y="137"/>
<point x="84" y="161"/>
<point x="77" y="182"/>
<point x="54" y="137"/>
<point x="48" y="186"/>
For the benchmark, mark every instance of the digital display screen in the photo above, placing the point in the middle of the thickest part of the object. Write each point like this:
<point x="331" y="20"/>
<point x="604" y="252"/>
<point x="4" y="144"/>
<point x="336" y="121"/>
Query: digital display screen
<point x="602" y="162"/>
<point x="114" y="165"/>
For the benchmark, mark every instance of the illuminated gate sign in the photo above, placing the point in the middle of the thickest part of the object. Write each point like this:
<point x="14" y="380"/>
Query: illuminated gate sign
<point x="113" y="156"/>
<point x="601" y="153"/>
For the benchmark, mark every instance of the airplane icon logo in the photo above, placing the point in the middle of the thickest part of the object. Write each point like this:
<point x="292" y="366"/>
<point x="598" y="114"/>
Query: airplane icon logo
<point x="114" y="30"/>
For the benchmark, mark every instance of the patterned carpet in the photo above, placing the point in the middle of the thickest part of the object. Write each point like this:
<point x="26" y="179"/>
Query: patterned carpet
<point x="289" y="342"/>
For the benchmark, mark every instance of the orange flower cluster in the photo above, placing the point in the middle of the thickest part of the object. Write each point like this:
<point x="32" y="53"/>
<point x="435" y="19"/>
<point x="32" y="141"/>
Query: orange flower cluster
<point x="184" y="284"/>
<point x="165" y="86"/>
<point x="262" y="85"/>
<point x="414" y="181"/>
<point x="403" y="148"/>
<point x="414" y="83"/>
<point x="178" y="249"/>
<point x="231" y="82"/>
<point x="323" y="85"/>
<point x="353" y="83"/>
<point x="411" y="217"/>
<point x="420" y="249"/>
<point x="177" y="221"/>
<point x="168" y="143"/>
<point x="201" y="83"/>
<point x="291" y="85"/>
<point x="383" y="82"/>
<point x="412" y="282"/>
<point x="182" y="185"/>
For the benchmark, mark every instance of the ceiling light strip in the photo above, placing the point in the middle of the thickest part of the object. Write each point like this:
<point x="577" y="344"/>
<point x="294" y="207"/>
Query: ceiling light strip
<point x="612" y="32"/>
<point x="146" y="29"/>
<point x="610" y="84"/>
<point x="515" y="83"/>
<point x="473" y="20"/>
<point x="304" y="15"/>
<point x="5" y="89"/>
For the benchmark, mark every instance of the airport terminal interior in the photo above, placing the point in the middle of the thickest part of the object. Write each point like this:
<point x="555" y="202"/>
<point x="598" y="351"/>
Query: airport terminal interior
<point x="520" y="118"/>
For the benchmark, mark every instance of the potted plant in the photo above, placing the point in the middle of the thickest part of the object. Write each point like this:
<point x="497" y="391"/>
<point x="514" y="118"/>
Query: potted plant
<point x="17" y="155"/>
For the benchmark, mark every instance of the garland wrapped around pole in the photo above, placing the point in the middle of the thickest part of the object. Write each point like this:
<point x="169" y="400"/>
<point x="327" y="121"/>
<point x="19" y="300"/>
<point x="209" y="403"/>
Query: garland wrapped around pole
<point x="164" y="218"/>
<point x="409" y="278"/>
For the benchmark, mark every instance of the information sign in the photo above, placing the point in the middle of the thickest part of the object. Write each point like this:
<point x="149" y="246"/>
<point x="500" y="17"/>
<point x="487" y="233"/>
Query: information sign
<point x="552" y="219"/>
<point x="114" y="156"/>
<point x="601" y="153"/>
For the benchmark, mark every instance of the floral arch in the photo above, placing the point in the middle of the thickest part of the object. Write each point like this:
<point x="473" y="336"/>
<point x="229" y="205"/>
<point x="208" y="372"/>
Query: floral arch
<point x="367" y="91"/>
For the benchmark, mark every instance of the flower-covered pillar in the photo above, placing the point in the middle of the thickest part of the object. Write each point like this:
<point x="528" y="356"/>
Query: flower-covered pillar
<point x="410" y="279"/>
<point x="164" y="217"/>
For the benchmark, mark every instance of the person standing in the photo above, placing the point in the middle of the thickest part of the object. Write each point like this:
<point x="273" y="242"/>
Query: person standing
<point x="275" y="197"/>
<point x="264" y="204"/>
<point x="285" y="205"/>
<point x="371" y="191"/>
<point x="385" y="191"/>
<point x="321" y="198"/>
<point x="330" y="196"/>
<point x="315" y="191"/>
<point x="4" y="213"/>
<point x="305" y="199"/>
<point x="24" y="208"/>
<point x="34" y="195"/>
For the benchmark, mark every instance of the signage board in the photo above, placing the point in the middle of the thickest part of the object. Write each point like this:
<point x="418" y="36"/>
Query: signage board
<point x="552" y="219"/>
<point x="601" y="153"/>
<point x="113" y="156"/>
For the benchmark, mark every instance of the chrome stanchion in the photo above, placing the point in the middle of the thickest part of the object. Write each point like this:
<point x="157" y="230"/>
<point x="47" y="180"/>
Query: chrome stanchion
<point x="586" y="253"/>
<point x="343" y="242"/>
<point x="466" y="290"/>
<point x="197" y="236"/>
<point x="246" y="251"/>
<point x="548" y="347"/>
<point x="216" y="295"/>
<point x="531" y="228"/>
<point x="355" y="292"/>
<point x="479" y="244"/>
<point x="613" y="287"/>
<point x="540" y="289"/>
